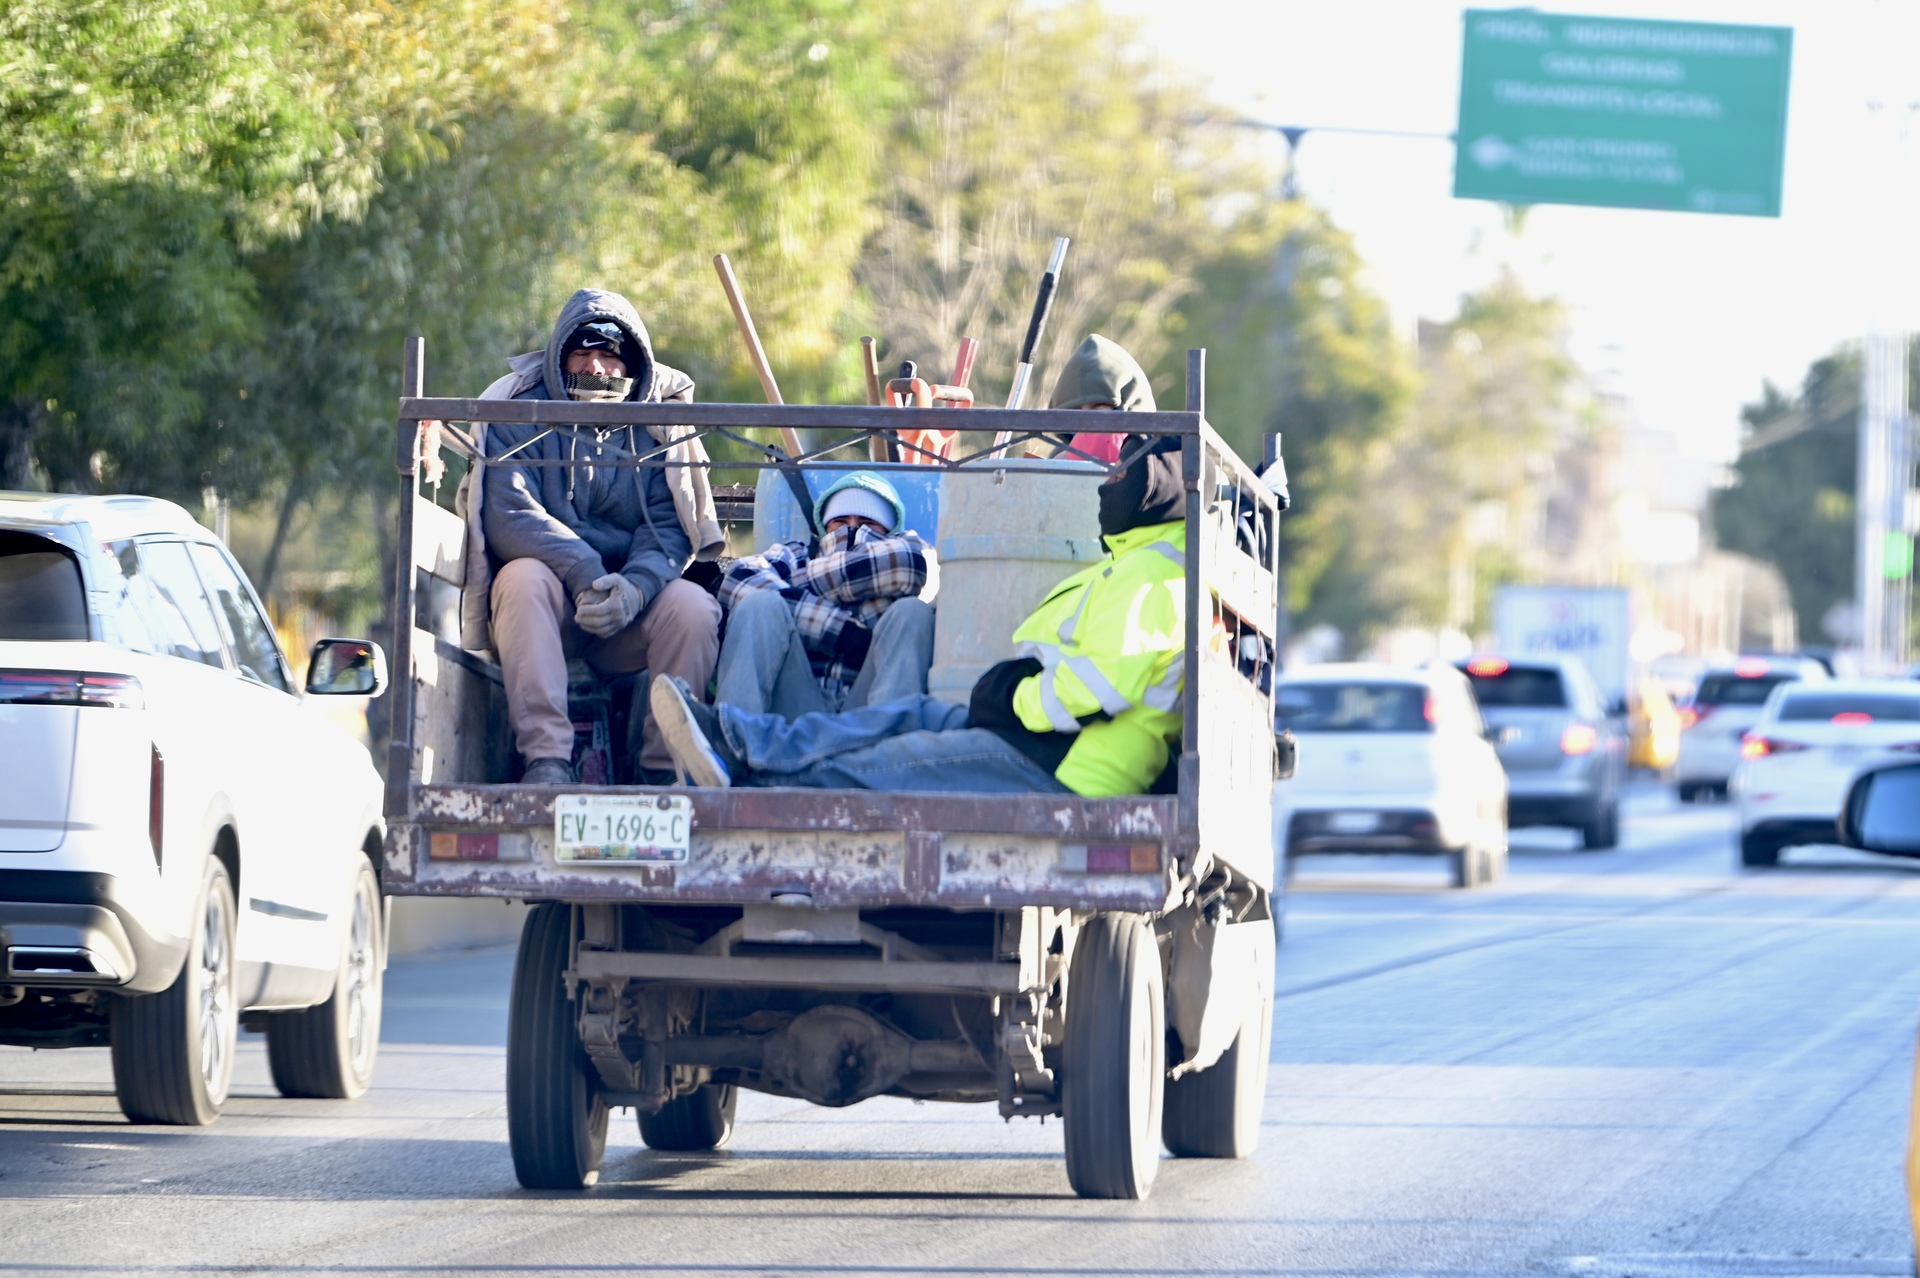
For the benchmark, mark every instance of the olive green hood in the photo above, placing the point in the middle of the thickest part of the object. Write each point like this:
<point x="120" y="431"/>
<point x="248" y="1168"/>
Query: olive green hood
<point x="1101" y="372"/>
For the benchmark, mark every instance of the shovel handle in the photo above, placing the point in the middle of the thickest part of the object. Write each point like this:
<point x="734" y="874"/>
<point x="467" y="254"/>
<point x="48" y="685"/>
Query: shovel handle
<point x="756" y="353"/>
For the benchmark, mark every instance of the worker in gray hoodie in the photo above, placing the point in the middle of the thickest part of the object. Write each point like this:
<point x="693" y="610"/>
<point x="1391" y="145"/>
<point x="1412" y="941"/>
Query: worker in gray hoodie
<point x="586" y="556"/>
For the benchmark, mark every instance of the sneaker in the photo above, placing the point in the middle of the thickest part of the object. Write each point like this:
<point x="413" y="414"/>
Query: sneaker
<point x="548" y="772"/>
<point x="692" y="732"/>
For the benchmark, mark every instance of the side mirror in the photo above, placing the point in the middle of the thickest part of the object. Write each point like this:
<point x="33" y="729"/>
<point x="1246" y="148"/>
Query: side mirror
<point x="347" y="668"/>
<point x="1882" y="812"/>
<point x="1286" y="755"/>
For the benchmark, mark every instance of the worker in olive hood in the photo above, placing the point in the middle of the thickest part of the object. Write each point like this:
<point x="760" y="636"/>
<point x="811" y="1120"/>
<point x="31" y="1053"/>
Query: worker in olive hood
<point x="1101" y="375"/>
<point x="582" y="556"/>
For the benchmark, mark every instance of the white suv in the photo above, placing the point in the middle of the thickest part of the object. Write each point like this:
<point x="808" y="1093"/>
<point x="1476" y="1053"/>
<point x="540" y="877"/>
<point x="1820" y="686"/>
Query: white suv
<point x="182" y="841"/>
<point x="1390" y="760"/>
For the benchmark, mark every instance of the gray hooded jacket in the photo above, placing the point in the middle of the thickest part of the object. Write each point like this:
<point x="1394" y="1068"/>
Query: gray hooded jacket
<point x="583" y="520"/>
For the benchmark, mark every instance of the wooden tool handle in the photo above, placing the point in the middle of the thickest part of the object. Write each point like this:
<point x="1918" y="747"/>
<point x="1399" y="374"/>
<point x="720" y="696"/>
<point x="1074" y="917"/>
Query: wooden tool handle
<point x="756" y="353"/>
<point x="870" y="364"/>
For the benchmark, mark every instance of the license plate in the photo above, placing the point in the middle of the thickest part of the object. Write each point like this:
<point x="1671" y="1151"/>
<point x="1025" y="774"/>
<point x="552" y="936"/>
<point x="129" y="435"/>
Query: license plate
<point x="1353" y="822"/>
<point x="622" y="827"/>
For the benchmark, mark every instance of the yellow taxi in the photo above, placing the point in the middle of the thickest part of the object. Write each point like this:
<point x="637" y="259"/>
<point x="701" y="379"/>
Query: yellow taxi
<point x="1653" y="726"/>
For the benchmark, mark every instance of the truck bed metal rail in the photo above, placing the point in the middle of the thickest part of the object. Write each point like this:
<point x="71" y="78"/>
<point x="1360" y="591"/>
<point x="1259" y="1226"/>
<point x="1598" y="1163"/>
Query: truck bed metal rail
<point x="455" y="828"/>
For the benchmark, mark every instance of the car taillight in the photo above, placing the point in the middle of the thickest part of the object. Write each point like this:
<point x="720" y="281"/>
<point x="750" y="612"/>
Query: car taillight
<point x="1851" y="719"/>
<point x="1753" y="746"/>
<point x="1690" y="716"/>
<point x="1579" y="738"/>
<point x="157" y="805"/>
<point x="70" y="688"/>
<point x="1488" y="667"/>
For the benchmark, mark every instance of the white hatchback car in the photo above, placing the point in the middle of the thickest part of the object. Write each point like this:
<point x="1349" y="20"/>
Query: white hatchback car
<point x="182" y="842"/>
<point x="1809" y="743"/>
<point x="1391" y="760"/>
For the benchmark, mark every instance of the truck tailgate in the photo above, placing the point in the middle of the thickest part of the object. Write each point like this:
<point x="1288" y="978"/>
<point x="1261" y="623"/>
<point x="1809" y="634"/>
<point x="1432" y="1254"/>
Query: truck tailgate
<point x="842" y="848"/>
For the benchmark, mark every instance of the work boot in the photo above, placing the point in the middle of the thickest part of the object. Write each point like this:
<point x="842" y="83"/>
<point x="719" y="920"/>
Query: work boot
<point x="548" y="772"/>
<point x="693" y="735"/>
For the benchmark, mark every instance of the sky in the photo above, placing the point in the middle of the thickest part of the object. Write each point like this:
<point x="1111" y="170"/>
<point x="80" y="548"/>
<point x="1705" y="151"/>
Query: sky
<point x="1684" y="315"/>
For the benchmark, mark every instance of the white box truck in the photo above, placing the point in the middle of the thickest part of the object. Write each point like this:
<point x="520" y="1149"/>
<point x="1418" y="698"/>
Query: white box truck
<point x="1591" y="623"/>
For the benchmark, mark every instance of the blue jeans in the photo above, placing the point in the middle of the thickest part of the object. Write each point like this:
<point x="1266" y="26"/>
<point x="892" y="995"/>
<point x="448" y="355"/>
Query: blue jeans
<point x="764" y="667"/>
<point x="916" y="743"/>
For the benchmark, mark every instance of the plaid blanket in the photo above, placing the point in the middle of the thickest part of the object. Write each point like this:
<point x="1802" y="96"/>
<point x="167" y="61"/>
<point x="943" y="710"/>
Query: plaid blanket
<point x="837" y="594"/>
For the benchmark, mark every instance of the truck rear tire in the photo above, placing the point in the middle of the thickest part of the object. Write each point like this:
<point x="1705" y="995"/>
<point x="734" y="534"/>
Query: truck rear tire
<point x="1463" y="865"/>
<point x="1602" y="830"/>
<point x="173" y="1051"/>
<point x="1215" y="1113"/>
<point x="327" y="1050"/>
<point x="1759" y="851"/>
<point x="556" y="1119"/>
<point x="703" y="1120"/>
<point x="1114" y="1065"/>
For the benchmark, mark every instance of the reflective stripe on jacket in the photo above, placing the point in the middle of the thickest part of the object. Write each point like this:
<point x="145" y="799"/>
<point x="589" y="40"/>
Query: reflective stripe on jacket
<point x="1112" y="640"/>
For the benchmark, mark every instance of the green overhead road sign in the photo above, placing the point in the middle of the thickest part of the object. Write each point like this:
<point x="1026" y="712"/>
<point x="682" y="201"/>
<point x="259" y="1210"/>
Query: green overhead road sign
<point x="1558" y="109"/>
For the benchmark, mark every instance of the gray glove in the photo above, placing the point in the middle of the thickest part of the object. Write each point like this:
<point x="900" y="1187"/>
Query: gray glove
<point x="608" y="606"/>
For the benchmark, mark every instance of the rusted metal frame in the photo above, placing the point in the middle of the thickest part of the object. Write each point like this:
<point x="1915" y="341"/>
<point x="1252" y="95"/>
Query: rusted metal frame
<point x="399" y="793"/>
<point x="454" y="653"/>
<point x="1066" y="817"/>
<point x="1192" y="455"/>
<point x="746" y="1051"/>
<point x="563" y="412"/>
<point x="525" y="444"/>
<point x="530" y="881"/>
<point x="1244" y="475"/>
<point x="798" y="972"/>
<point x="467" y="448"/>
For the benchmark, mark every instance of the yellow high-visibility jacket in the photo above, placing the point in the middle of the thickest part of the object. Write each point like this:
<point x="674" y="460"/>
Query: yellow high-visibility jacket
<point x="1112" y="638"/>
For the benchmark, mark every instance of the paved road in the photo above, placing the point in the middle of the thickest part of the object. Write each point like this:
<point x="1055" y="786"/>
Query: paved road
<point x="1635" y="1063"/>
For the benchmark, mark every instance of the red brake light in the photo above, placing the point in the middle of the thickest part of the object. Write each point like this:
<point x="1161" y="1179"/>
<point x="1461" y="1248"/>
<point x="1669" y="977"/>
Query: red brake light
<point x="1692" y="715"/>
<point x="1426" y="708"/>
<point x="1851" y="718"/>
<point x="1750" y="667"/>
<point x="1758" y="747"/>
<point x="156" y="803"/>
<point x="70" y="688"/>
<point x="1488" y="666"/>
<point x="1579" y="738"/>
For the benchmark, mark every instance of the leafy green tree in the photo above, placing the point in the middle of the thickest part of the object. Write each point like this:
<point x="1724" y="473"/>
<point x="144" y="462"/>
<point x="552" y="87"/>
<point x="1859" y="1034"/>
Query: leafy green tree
<point x="1028" y="122"/>
<point x="151" y="150"/>
<point x="1792" y="502"/>
<point x="1298" y="345"/>
<point x="711" y="126"/>
<point x="138" y="143"/>
<point x="1497" y="402"/>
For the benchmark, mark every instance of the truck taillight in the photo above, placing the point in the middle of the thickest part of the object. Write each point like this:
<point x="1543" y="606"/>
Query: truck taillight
<point x="157" y="805"/>
<point x="1579" y="738"/>
<point x="70" y="688"/>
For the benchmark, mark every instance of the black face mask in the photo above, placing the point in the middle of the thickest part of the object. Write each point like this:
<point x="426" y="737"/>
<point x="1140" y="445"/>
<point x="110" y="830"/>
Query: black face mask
<point x="1148" y="492"/>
